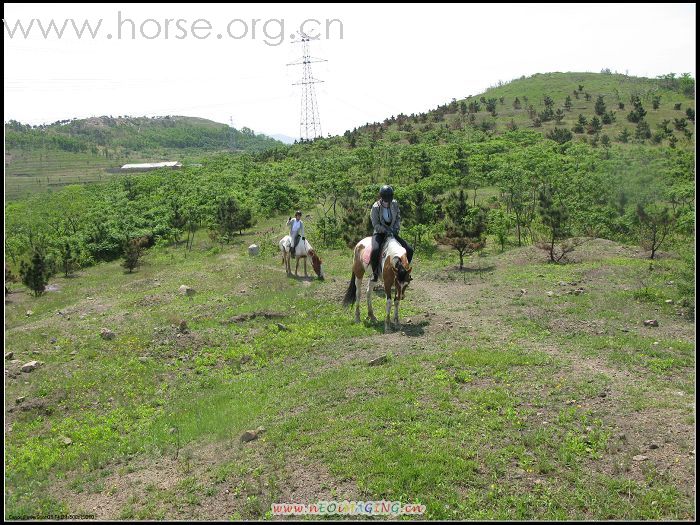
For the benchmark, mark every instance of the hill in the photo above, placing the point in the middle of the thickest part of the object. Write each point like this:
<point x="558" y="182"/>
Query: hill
<point x="81" y="150"/>
<point x="520" y="104"/>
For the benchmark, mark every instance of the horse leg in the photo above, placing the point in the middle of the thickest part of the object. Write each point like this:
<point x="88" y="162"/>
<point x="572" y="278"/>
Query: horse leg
<point x="305" y="273"/>
<point x="296" y="269"/>
<point x="387" y="324"/>
<point x="358" y="293"/>
<point x="396" y="312"/>
<point x="370" y="312"/>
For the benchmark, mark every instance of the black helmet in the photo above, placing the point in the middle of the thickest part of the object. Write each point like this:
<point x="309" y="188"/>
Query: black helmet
<point x="386" y="193"/>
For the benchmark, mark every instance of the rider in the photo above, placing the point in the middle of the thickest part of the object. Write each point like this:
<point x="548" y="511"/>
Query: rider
<point x="386" y="220"/>
<point x="296" y="230"/>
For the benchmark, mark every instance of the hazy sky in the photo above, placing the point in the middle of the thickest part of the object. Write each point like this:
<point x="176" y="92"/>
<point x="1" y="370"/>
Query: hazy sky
<point x="390" y="59"/>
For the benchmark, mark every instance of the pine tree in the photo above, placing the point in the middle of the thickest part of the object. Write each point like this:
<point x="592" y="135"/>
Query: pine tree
<point x="624" y="136"/>
<point x="600" y="106"/>
<point x="35" y="275"/>
<point x="133" y="250"/>
<point x="465" y="226"/>
<point x="567" y="103"/>
<point x="555" y="218"/>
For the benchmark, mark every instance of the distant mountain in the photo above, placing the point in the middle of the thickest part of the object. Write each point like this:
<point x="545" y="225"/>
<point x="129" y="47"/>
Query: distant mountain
<point x="135" y="134"/>
<point x="284" y="138"/>
<point x="79" y="151"/>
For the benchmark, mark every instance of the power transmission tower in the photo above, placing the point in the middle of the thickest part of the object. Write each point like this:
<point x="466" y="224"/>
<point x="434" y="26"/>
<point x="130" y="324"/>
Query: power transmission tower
<point x="310" y="122"/>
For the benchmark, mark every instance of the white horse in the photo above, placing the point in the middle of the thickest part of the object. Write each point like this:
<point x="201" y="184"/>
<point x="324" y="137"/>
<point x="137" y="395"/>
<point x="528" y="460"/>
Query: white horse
<point x="396" y="273"/>
<point x="303" y="250"/>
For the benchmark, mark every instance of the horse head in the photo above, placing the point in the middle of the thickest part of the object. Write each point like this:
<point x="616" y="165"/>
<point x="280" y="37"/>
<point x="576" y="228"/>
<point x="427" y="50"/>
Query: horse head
<point x="403" y="277"/>
<point x="316" y="263"/>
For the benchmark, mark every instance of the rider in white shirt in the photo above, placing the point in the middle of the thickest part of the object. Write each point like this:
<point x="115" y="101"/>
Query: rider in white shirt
<point x="296" y="230"/>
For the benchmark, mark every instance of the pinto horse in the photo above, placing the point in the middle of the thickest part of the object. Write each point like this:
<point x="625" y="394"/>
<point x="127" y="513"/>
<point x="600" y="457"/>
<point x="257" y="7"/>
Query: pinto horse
<point x="303" y="250"/>
<point x="396" y="274"/>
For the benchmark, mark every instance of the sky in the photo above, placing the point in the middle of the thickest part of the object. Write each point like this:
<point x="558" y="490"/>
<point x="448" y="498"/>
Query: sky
<point x="381" y="59"/>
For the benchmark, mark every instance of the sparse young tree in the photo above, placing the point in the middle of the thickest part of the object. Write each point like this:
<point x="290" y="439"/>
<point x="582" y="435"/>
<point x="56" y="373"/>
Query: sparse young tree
<point x="677" y="106"/>
<point x="638" y="113"/>
<point x="555" y="218"/>
<point x="672" y="140"/>
<point x="608" y="117"/>
<point x="500" y="222"/>
<point x="595" y="126"/>
<point x="624" y="136"/>
<point x="621" y="105"/>
<point x="560" y="135"/>
<point x="690" y="113"/>
<point x="568" y="104"/>
<point x="133" y="250"/>
<point x="559" y="116"/>
<point x="680" y="124"/>
<point x="655" y="223"/>
<point x="35" y="275"/>
<point x="655" y="101"/>
<point x="68" y="260"/>
<point x="516" y="103"/>
<point x="600" y="106"/>
<point x="642" y="132"/>
<point x="465" y="226"/>
<point x="587" y="96"/>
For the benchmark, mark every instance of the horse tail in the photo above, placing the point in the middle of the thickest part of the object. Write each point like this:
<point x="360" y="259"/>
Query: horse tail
<point x="350" y="295"/>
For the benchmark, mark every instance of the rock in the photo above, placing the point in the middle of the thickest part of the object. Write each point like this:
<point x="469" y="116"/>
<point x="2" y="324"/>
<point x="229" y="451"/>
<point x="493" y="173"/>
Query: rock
<point x="653" y="446"/>
<point x="283" y="328"/>
<point x="67" y="441"/>
<point x="562" y="283"/>
<point x="624" y="329"/>
<point x="603" y="394"/>
<point x="640" y="457"/>
<point x="20" y="399"/>
<point x="143" y="359"/>
<point x="74" y="352"/>
<point x="260" y="430"/>
<point x="651" y="322"/>
<point x="31" y="366"/>
<point x="578" y="291"/>
<point x="669" y="301"/>
<point x="253" y="249"/>
<point x="655" y="343"/>
<point x="186" y="290"/>
<point x="378" y="360"/>
<point x="53" y="340"/>
<point x="182" y="326"/>
<point x="550" y="294"/>
<point x="249" y="435"/>
<point x="523" y="291"/>
<point x="9" y="355"/>
<point x="107" y="334"/>
<point x="29" y="313"/>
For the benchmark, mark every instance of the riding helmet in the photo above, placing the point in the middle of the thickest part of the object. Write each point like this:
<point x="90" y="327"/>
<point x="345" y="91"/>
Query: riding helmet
<point x="386" y="193"/>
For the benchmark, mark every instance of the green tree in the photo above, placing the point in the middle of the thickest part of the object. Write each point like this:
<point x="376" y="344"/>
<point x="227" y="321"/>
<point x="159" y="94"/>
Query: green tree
<point x="133" y="250"/>
<point x="655" y="222"/>
<point x="35" y="275"/>
<point x="555" y="219"/>
<point x="600" y="106"/>
<point x="500" y="223"/>
<point x="465" y="226"/>
<point x="568" y="104"/>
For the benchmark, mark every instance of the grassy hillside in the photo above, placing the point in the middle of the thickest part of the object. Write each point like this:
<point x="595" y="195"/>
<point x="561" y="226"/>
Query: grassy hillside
<point x="614" y="89"/>
<point x="81" y="151"/>
<point x="514" y="388"/>
<point x="493" y="403"/>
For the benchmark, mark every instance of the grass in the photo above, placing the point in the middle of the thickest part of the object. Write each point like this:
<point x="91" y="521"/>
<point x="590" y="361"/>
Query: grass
<point x="489" y="407"/>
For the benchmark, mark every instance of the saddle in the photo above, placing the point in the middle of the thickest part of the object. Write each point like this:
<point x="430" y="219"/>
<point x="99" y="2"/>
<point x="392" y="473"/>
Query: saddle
<point x="390" y="248"/>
